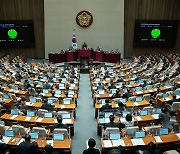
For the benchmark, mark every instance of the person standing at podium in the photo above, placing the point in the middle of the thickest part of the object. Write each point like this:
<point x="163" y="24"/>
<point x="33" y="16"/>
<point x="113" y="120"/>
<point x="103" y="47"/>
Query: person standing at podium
<point x="84" y="46"/>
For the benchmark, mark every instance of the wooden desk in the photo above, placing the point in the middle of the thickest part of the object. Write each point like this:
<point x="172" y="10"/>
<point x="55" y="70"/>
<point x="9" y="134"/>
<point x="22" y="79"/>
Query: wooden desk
<point x="137" y="104"/>
<point x="60" y="146"/>
<point x="17" y="92"/>
<point x="145" y="92"/>
<point x="161" y="102"/>
<point x="170" y="140"/>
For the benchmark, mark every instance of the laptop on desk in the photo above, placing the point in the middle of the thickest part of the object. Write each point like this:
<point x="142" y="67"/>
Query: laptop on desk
<point x="140" y="134"/>
<point x="9" y="133"/>
<point x="34" y="135"/>
<point x="58" y="137"/>
<point x="114" y="136"/>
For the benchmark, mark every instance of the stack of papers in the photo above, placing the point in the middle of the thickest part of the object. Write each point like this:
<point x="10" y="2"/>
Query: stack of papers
<point x="178" y="135"/>
<point x="14" y="116"/>
<point x="138" y="118"/>
<point x="158" y="139"/>
<point x="167" y="99"/>
<point x="137" y="142"/>
<point x="107" y="143"/>
<point x="139" y="92"/>
<point x="6" y="139"/>
<point x="155" y="116"/>
<point x="62" y="106"/>
<point x="21" y="141"/>
<point x="39" y="119"/>
<point x="66" y="121"/>
<point x="55" y="121"/>
<point x="29" y="103"/>
<point x="28" y="118"/>
<point x="118" y="142"/>
<point x="50" y="142"/>
<point x="136" y="104"/>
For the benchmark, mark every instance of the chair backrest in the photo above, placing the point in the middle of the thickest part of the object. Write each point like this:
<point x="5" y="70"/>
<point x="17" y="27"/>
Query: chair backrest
<point x="147" y="97"/>
<point x="175" y="106"/>
<point x="171" y="152"/>
<point x="149" y="108"/>
<point x="42" y="131"/>
<point x="2" y="129"/>
<point x="18" y="130"/>
<point x="159" y="95"/>
<point x="130" y="131"/>
<point x="153" y="130"/>
<point x="62" y="131"/>
<point x="132" y="99"/>
<point x="170" y="92"/>
<point x="41" y="112"/>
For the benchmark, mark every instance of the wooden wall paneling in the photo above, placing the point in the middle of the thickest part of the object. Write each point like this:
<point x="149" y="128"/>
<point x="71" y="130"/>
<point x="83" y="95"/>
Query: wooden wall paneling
<point x="26" y="10"/>
<point x="148" y="10"/>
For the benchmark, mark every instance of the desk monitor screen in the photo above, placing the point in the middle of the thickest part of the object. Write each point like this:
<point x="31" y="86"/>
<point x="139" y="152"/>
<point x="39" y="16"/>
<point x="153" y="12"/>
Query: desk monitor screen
<point x="50" y="101"/>
<point x="71" y="92"/>
<point x="40" y="83"/>
<point x="48" y="115"/>
<point x="103" y="101"/>
<point x="176" y="92"/>
<point x="14" y="111"/>
<point x="101" y="120"/>
<point x="31" y="81"/>
<point x="97" y="80"/>
<point x="163" y="131"/>
<point x="166" y="84"/>
<point x="45" y="78"/>
<point x="125" y="113"/>
<point x="50" y="83"/>
<point x="5" y="85"/>
<point x="158" y="111"/>
<point x="34" y="135"/>
<point x="114" y="136"/>
<point x="9" y="133"/>
<point x="113" y="91"/>
<point x="123" y="100"/>
<point x="45" y="91"/>
<point x="143" y="112"/>
<point x="132" y="82"/>
<point x="36" y="76"/>
<point x="5" y="96"/>
<point x="138" y="89"/>
<point x="72" y="85"/>
<point x="101" y="92"/>
<point x="59" y="137"/>
<point x="165" y="95"/>
<point x="61" y="85"/>
<point x="108" y="79"/>
<point x="138" y="99"/>
<point x="66" y="101"/>
<point x="125" y="90"/>
<point x="107" y="114"/>
<point x="149" y="87"/>
<point x="63" y="79"/>
<point x="139" y="134"/>
<point x="56" y="74"/>
<point x="66" y="116"/>
<point x="32" y="99"/>
<point x="13" y="86"/>
<point x="30" y="113"/>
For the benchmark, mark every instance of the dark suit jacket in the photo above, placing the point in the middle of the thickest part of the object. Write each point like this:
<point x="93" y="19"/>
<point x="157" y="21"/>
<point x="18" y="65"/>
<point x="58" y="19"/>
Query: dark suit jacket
<point x="91" y="151"/>
<point x="47" y="106"/>
<point x="3" y="148"/>
<point x="28" y="148"/>
<point x="61" y="125"/>
<point x="106" y="106"/>
<point x="111" y="124"/>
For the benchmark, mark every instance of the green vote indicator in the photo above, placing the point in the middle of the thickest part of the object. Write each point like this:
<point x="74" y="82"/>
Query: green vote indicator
<point x="155" y="33"/>
<point x="12" y="33"/>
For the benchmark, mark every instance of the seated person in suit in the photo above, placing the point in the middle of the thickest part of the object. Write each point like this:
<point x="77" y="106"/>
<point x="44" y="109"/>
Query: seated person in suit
<point x="47" y="86"/>
<point x="107" y="105"/>
<point x="111" y="124"/>
<point x="3" y="147"/>
<point x="49" y="150"/>
<point x="28" y="147"/>
<point x="127" y="94"/>
<point x="121" y="106"/>
<point x="84" y="46"/>
<point x="91" y="149"/>
<point x="117" y="95"/>
<point x="151" y="149"/>
<point x="100" y="86"/>
<point x="128" y="121"/>
<point x="112" y="86"/>
<point x="60" y="124"/>
<point x="47" y="106"/>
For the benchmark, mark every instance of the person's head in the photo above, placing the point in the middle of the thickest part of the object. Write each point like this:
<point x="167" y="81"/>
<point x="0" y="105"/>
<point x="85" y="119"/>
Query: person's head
<point x="151" y="146"/>
<point x="91" y="143"/>
<point x="120" y="104"/>
<point x="129" y="117"/>
<point x="59" y="119"/>
<point x="107" y="101"/>
<point x="163" y="110"/>
<point x="48" y="148"/>
<point x="111" y="118"/>
<point x="114" y="151"/>
<point x="27" y="137"/>
<point x="174" y="96"/>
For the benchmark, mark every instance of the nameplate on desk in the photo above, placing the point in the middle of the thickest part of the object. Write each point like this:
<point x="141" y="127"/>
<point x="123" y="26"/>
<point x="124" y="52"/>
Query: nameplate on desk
<point x="136" y="104"/>
<point x="110" y="95"/>
<point x="107" y="143"/>
<point x="14" y="116"/>
<point x="42" y="94"/>
<point x="21" y="140"/>
<point x="71" y="87"/>
<point x="39" y="119"/>
<point x="55" y="121"/>
<point x="178" y="97"/>
<point x="158" y="139"/>
<point x="29" y="103"/>
<point x="97" y="95"/>
<point x="28" y="118"/>
<point x="66" y="121"/>
<point x="150" y="90"/>
<point x="167" y="99"/>
<point x="155" y="116"/>
<point x="106" y="120"/>
<point x="138" y="118"/>
<point x="50" y="142"/>
<point x="6" y="139"/>
<point x="11" y="90"/>
<point x="118" y="142"/>
<point x="16" y="91"/>
<point x="167" y="87"/>
<point x="178" y="135"/>
<point x="137" y="142"/>
<point x="62" y="106"/>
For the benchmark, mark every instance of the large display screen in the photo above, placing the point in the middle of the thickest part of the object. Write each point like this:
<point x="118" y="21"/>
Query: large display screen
<point x="18" y="33"/>
<point x="155" y="33"/>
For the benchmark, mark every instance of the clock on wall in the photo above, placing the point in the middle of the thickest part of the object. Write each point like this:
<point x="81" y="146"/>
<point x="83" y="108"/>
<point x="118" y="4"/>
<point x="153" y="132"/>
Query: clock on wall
<point x="84" y="19"/>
